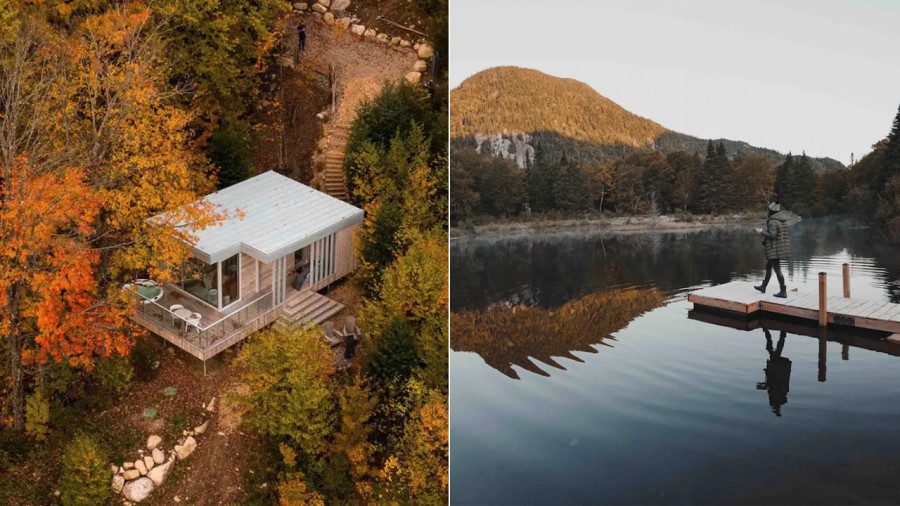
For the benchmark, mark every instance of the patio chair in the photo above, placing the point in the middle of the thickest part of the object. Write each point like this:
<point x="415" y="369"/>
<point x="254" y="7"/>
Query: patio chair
<point x="330" y="338"/>
<point x="175" y="307"/>
<point x="350" y="326"/>
<point x="194" y="320"/>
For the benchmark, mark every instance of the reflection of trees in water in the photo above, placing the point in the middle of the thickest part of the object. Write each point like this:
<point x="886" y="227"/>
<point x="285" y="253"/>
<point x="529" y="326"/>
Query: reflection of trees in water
<point x="504" y="336"/>
<point x="561" y="267"/>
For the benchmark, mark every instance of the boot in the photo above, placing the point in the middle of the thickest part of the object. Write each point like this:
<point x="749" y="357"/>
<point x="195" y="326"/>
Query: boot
<point x="761" y="288"/>
<point x="782" y="294"/>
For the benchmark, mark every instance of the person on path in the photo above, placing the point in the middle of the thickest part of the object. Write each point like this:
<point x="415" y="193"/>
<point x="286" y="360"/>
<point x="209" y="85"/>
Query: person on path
<point x="301" y="37"/>
<point x="777" y="241"/>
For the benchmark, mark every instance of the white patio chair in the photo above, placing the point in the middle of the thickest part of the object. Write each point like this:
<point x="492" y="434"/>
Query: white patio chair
<point x="330" y="338"/>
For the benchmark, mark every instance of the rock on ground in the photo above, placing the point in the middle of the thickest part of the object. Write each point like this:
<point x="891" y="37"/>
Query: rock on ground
<point x="326" y="3"/>
<point x="396" y="40"/>
<point x="413" y="77"/>
<point x="425" y="51"/>
<point x="140" y="466"/>
<point x="358" y="29"/>
<point x="405" y="43"/>
<point x="318" y="7"/>
<point x="127" y="465"/>
<point x="200" y="429"/>
<point x="344" y="23"/>
<point x="184" y="450"/>
<point x="158" y="456"/>
<point x="212" y="405"/>
<point x="329" y="18"/>
<point x="138" y="490"/>
<point x="300" y="6"/>
<point x="153" y="441"/>
<point x="420" y="66"/>
<point x="131" y="474"/>
<point x="340" y="5"/>
<point x="370" y="33"/>
<point x="117" y="483"/>
<point x="159" y="473"/>
<point x="148" y="461"/>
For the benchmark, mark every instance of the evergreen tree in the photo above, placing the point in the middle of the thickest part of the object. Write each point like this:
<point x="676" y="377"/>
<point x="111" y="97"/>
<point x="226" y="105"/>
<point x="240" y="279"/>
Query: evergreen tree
<point x="891" y="166"/>
<point x="783" y="178"/>
<point x="229" y="151"/>
<point x="707" y="182"/>
<point x="571" y="189"/>
<point x="539" y="181"/>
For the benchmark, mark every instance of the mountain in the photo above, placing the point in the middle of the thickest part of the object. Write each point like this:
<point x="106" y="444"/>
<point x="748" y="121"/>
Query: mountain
<point x="516" y="112"/>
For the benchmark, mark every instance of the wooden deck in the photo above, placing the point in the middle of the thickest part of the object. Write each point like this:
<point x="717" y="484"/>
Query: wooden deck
<point x="741" y="297"/>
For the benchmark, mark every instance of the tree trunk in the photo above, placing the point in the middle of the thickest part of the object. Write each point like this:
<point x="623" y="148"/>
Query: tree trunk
<point x="16" y="406"/>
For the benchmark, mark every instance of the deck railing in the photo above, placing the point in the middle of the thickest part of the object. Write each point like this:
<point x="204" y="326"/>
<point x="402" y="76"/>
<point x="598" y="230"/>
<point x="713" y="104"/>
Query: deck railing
<point x="206" y="336"/>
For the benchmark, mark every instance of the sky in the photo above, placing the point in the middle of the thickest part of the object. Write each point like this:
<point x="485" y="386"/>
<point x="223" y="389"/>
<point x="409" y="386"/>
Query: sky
<point x="816" y="76"/>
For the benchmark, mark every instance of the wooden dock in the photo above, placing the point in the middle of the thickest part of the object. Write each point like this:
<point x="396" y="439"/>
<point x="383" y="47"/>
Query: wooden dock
<point x="741" y="297"/>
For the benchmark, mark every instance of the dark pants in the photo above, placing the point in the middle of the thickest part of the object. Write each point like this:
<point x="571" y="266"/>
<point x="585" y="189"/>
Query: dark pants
<point x="302" y="43"/>
<point x="774" y="264"/>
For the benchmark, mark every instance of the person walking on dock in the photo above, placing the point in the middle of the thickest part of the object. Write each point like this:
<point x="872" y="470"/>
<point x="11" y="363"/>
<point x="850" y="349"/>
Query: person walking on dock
<point x="777" y="241"/>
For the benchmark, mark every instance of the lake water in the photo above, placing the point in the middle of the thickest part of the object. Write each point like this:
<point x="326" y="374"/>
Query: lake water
<point x="608" y="389"/>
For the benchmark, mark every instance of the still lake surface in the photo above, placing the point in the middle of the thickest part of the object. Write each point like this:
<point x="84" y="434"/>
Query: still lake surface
<point x="605" y="391"/>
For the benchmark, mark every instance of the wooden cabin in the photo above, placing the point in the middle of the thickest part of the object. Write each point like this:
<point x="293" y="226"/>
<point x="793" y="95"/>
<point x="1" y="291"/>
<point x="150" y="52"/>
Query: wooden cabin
<point x="291" y="242"/>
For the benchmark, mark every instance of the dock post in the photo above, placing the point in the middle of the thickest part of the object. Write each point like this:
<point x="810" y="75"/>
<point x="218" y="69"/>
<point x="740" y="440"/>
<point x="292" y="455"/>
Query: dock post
<point x="823" y="300"/>
<point x="846" y="269"/>
<point x="845" y="352"/>
<point x="823" y="349"/>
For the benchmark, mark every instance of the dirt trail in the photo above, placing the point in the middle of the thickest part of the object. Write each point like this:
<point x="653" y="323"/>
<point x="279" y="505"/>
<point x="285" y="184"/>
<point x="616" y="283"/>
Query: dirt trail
<point x="361" y="67"/>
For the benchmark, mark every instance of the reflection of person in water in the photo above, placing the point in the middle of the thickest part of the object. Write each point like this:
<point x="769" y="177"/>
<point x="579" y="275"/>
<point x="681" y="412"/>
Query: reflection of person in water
<point x="778" y="373"/>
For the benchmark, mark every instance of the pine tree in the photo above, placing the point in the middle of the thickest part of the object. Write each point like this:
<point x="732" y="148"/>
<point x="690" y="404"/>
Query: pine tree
<point x="706" y="181"/>
<point x="892" y="151"/>
<point x="783" y="179"/>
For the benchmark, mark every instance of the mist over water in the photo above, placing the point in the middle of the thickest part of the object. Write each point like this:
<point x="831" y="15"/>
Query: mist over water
<point x="598" y="387"/>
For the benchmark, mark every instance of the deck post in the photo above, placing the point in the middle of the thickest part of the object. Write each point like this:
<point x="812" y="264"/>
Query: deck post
<point x="845" y="352"/>
<point x="846" y="272"/>
<point x="823" y="300"/>
<point x="823" y="348"/>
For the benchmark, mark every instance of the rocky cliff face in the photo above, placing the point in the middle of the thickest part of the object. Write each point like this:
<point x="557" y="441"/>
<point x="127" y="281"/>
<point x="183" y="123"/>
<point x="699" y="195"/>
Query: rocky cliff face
<point x="515" y="146"/>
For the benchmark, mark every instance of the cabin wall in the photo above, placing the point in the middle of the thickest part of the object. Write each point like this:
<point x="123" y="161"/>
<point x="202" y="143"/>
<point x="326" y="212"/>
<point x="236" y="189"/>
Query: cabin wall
<point x="248" y="276"/>
<point x="344" y="258"/>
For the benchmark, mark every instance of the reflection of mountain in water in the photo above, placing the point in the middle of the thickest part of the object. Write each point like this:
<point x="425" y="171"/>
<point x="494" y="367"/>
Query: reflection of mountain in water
<point x="505" y="336"/>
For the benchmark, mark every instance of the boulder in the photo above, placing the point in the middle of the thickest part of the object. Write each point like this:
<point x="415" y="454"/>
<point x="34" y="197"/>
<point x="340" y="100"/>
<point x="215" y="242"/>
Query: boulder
<point x="284" y="61"/>
<point x="413" y="77"/>
<point x="138" y="490"/>
<point x="425" y="51"/>
<point x="325" y="3"/>
<point x="395" y="41"/>
<point x="370" y="34"/>
<point x="358" y="29"/>
<point x="159" y="473"/>
<point x="117" y="483"/>
<point x="340" y="5"/>
<point x="405" y="43"/>
<point x="153" y="441"/>
<point x="131" y="474"/>
<point x="158" y="456"/>
<point x="318" y="7"/>
<point x="344" y="23"/>
<point x="420" y="66"/>
<point x="200" y="429"/>
<point x="301" y="6"/>
<point x="148" y="461"/>
<point x="127" y="465"/>
<point x="184" y="450"/>
<point x="328" y="18"/>
<point x="140" y="466"/>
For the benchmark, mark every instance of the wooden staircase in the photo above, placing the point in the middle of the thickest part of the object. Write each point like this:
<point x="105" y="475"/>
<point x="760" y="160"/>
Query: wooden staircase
<point x="333" y="180"/>
<point x="308" y="306"/>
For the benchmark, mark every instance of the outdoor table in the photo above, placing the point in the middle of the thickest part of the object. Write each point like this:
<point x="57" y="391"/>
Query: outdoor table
<point x="183" y="314"/>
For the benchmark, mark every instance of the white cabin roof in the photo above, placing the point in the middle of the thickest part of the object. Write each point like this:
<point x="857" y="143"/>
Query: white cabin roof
<point x="280" y="216"/>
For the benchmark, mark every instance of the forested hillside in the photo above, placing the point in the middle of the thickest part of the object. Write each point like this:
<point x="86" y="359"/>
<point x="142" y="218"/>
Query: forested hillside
<point x="565" y="116"/>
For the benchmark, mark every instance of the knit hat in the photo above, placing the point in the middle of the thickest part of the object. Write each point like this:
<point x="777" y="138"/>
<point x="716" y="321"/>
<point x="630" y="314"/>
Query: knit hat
<point x="774" y="207"/>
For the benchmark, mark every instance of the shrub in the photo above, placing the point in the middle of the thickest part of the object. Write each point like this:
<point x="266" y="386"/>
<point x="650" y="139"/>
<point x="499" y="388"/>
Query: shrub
<point x="37" y="415"/>
<point x="229" y="151"/>
<point x="288" y="371"/>
<point x="85" y="473"/>
<point x="395" y="356"/>
<point x="144" y="359"/>
<point x="14" y="447"/>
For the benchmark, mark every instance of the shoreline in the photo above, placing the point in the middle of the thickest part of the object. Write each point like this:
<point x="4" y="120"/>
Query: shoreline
<point x="622" y="224"/>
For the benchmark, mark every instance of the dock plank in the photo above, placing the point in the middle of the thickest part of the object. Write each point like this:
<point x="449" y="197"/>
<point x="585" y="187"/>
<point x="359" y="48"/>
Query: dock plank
<point x="740" y="296"/>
